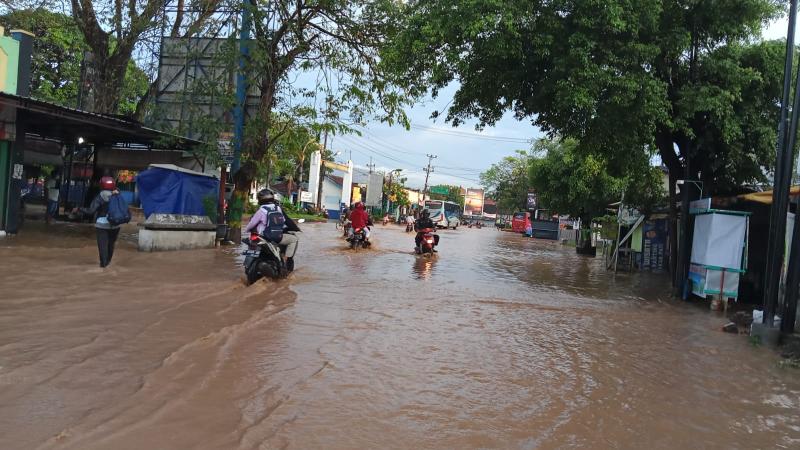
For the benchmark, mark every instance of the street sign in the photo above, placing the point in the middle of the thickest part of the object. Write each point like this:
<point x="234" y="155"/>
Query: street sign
<point x="305" y="196"/>
<point x="439" y="190"/>
<point x="225" y="147"/>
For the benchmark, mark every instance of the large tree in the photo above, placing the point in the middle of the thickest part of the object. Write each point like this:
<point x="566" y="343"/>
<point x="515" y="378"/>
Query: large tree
<point x="621" y="77"/>
<point x="56" y="60"/>
<point x="316" y="62"/>
<point x="114" y="30"/>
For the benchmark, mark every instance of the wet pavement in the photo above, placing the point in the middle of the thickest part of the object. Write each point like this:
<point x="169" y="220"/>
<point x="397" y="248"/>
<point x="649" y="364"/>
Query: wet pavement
<point x="500" y="342"/>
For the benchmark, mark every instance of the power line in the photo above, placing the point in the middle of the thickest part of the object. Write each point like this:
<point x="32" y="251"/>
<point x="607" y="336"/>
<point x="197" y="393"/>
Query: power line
<point x="463" y="134"/>
<point x="471" y="180"/>
<point x="463" y="169"/>
<point x="377" y="152"/>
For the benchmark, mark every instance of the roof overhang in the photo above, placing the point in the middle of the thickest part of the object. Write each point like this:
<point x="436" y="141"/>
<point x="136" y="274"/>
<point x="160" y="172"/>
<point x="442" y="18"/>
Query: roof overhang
<point x="53" y="122"/>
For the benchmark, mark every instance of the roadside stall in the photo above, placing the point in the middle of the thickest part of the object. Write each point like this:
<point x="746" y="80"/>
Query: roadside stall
<point x="719" y="253"/>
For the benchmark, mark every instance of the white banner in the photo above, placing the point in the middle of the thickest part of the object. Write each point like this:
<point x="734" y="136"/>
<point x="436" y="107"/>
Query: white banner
<point x="719" y="240"/>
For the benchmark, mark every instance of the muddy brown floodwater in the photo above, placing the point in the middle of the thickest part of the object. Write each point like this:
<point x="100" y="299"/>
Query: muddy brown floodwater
<point x="501" y="342"/>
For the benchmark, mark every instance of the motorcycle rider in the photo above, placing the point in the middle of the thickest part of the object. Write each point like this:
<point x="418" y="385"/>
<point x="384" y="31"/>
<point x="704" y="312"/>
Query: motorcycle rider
<point x="267" y="203"/>
<point x="344" y="220"/>
<point x="360" y="219"/>
<point x="422" y="223"/>
<point x="409" y="222"/>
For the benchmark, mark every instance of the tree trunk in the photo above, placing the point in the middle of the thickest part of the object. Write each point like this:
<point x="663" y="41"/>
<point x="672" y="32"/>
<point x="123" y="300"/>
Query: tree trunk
<point x="242" y="180"/>
<point x="105" y="76"/>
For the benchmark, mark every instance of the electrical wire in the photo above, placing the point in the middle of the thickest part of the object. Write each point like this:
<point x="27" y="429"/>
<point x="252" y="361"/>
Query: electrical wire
<point x="463" y="134"/>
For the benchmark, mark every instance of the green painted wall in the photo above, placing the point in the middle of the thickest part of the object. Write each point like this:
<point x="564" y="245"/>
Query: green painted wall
<point x="636" y="239"/>
<point x="9" y="61"/>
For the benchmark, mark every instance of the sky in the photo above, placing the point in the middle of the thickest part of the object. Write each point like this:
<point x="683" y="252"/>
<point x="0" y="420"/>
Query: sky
<point x="462" y="153"/>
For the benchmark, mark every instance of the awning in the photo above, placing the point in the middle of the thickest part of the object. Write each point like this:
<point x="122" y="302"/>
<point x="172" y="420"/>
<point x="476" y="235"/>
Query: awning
<point x="766" y="196"/>
<point x="53" y="122"/>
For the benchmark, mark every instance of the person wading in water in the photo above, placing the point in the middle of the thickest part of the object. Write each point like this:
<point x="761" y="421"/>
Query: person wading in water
<point x="106" y="232"/>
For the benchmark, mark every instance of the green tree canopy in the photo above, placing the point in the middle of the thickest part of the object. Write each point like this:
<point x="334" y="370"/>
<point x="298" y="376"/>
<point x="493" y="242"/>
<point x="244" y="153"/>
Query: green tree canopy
<point x="507" y="182"/>
<point x="581" y="185"/>
<point x="621" y="77"/>
<point x="57" y="54"/>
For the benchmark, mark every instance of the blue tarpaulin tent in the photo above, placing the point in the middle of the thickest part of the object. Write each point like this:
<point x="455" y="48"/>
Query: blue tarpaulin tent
<point x="164" y="188"/>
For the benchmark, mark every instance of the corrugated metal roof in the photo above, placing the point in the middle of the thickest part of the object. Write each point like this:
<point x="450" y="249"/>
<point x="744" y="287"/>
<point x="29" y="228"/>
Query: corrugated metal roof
<point x="67" y="122"/>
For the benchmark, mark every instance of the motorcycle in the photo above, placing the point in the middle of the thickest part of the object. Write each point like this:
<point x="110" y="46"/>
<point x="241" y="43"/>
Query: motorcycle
<point x="409" y="227"/>
<point x="359" y="239"/>
<point x="427" y="243"/>
<point x="344" y="225"/>
<point x="264" y="258"/>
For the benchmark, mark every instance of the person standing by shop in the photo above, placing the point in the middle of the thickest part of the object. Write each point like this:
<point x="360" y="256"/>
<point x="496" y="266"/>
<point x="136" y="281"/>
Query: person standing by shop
<point x="106" y="232"/>
<point x="53" y="185"/>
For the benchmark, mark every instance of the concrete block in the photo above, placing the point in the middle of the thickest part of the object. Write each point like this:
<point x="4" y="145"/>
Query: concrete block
<point x="161" y="240"/>
<point x="162" y="232"/>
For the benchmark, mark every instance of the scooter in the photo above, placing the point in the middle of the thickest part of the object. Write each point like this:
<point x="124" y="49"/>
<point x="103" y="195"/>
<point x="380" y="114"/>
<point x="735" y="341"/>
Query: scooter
<point x="427" y="243"/>
<point x="264" y="258"/>
<point x="359" y="239"/>
<point x="409" y="227"/>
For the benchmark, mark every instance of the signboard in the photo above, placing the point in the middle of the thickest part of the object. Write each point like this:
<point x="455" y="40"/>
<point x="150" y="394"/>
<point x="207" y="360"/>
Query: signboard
<point x="533" y="201"/>
<point x="473" y="202"/>
<point x="9" y="60"/>
<point x="374" y="190"/>
<point x="442" y="190"/>
<point x="191" y="74"/>
<point x="703" y="203"/>
<point x="306" y="197"/>
<point x="225" y="147"/>
<point x="655" y="234"/>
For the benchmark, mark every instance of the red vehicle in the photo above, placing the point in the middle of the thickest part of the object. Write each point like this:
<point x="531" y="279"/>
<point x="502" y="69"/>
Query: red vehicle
<point x="521" y="222"/>
<point x="428" y="241"/>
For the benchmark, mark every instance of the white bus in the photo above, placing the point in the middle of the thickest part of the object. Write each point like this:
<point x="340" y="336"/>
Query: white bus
<point x="444" y="214"/>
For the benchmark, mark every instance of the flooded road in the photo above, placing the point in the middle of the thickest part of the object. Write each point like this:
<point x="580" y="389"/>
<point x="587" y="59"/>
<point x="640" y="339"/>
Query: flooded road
<point x="500" y="342"/>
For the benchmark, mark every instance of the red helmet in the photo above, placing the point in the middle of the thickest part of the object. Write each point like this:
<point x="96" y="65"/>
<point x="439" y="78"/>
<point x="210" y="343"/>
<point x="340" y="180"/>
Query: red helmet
<point x="107" y="183"/>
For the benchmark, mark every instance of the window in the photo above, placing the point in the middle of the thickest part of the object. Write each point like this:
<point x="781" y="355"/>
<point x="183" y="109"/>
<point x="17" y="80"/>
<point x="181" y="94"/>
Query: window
<point x="433" y="205"/>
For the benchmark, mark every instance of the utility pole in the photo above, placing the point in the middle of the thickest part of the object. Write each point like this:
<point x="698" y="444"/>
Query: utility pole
<point x="428" y="171"/>
<point x="322" y="158"/>
<point x="787" y="129"/>
<point x="370" y="165"/>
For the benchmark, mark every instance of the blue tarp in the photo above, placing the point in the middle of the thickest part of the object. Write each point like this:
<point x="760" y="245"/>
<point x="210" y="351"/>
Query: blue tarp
<point x="174" y="192"/>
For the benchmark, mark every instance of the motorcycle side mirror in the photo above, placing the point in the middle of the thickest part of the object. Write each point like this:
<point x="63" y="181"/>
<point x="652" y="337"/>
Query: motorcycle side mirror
<point x="301" y="220"/>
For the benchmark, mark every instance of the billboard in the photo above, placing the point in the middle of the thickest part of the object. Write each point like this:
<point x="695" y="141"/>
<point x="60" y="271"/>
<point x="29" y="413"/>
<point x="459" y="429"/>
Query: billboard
<point x="192" y="73"/>
<point x="473" y="203"/>
<point x="374" y="190"/>
<point x="533" y="201"/>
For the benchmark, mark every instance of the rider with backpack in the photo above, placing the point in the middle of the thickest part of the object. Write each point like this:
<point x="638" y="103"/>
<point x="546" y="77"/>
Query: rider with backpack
<point x="272" y="223"/>
<point x="110" y="211"/>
